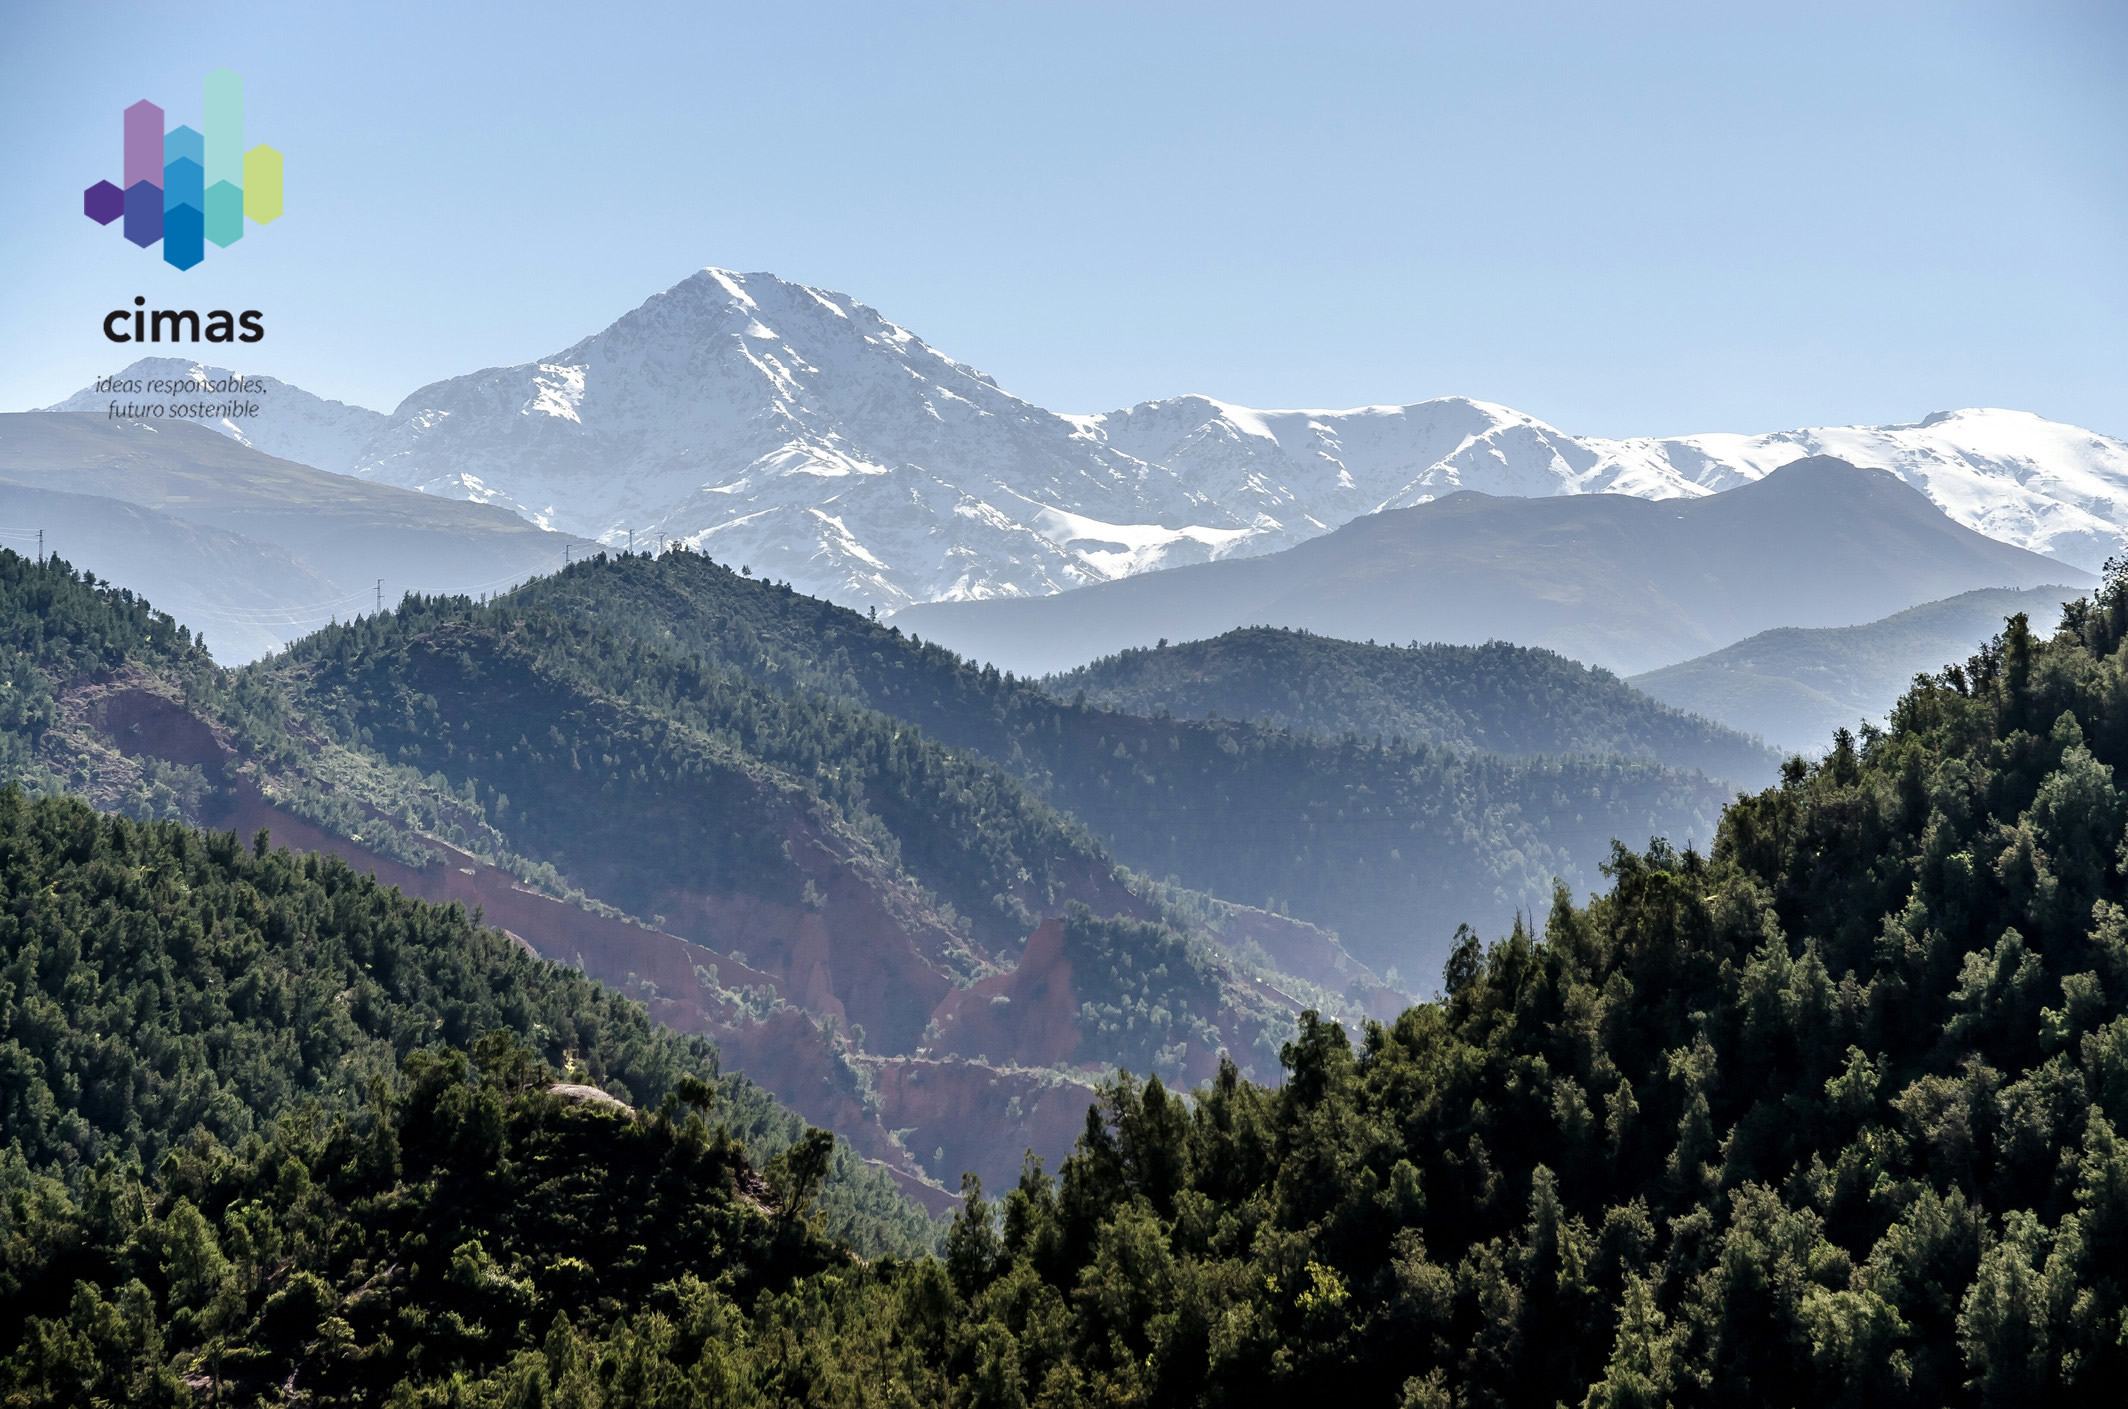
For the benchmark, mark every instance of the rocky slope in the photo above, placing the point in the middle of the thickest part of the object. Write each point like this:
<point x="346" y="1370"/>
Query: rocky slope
<point x="819" y="901"/>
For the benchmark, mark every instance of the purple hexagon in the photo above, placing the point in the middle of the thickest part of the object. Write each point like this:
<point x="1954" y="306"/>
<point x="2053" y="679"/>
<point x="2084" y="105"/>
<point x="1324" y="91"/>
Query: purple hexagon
<point x="103" y="203"/>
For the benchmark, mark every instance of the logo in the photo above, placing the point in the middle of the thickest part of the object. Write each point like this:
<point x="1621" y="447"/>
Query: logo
<point x="185" y="188"/>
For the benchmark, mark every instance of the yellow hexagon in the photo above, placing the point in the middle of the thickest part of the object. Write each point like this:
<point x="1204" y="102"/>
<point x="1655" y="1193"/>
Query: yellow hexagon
<point x="262" y="183"/>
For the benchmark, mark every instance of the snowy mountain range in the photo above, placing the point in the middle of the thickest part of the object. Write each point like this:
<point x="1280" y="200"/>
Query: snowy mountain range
<point x="799" y="432"/>
<point x="2052" y="488"/>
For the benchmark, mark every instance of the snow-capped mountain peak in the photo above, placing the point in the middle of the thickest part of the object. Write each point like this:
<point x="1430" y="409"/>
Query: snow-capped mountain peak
<point x="798" y="431"/>
<point x="795" y="429"/>
<point x="2053" y="488"/>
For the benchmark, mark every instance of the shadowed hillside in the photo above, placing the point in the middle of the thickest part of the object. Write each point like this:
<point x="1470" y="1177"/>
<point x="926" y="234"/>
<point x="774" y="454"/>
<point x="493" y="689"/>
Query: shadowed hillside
<point x="1795" y="685"/>
<point x="1497" y="697"/>
<point x="1627" y="584"/>
<point x="1391" y="845"/>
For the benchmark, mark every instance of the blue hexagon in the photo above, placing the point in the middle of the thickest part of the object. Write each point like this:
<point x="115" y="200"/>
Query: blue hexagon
<point x="183" y="143"/>
<point x="184" y="236"/>
<point x="184" y="183"/>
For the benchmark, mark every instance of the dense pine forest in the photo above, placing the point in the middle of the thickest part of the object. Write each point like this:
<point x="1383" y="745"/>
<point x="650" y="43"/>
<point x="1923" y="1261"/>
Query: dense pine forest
<point x="806" y="882"/>
<point x="57" y="627"/>
<point x="1826" y="1111"/>
<point x="1391" y="842"/>
<point x="647" y="777"/>
<point x="1497" y="698"/>
<point x="239" y="1116"/>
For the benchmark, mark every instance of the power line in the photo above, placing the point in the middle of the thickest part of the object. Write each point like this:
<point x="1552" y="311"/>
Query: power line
<point x="293" y="615"/>
<point x="296" y="614"/>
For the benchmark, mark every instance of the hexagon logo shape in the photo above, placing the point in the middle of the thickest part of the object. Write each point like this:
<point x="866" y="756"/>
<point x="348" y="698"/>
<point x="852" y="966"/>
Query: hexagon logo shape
<point x="103" y="203"/>
<point x="187" y="187"/>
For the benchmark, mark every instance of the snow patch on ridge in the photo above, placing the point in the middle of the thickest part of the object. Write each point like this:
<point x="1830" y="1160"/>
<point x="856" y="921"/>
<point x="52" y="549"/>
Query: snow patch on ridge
<point x="557" y="391"/>
<point x="799" y="431"/>
<point x="1118" y="550"/>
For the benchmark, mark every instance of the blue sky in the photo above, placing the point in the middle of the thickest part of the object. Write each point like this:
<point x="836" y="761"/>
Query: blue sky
<point x="1624" y="219"/>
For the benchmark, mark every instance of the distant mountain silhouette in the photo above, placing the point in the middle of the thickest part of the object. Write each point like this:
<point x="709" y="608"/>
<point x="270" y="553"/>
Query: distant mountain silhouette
<point x="1630" y="584"/>
<point x="1793" y="686"/>
<point x="252" y="550"/>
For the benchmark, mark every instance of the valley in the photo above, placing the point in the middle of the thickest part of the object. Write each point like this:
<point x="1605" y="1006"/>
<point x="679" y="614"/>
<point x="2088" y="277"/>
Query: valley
<point x="815" y="886"/>
<point x="869" y="865"/>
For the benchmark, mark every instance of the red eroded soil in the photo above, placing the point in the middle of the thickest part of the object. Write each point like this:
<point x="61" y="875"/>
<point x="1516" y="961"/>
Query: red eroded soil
<point x="864" y="949"/>
<point x="1035" y="1024"/>
<point x="142" y="722"/>
<point x="984" y="1119"/>
<point x="866" y="954"/>
<point x="787" y="1053"/>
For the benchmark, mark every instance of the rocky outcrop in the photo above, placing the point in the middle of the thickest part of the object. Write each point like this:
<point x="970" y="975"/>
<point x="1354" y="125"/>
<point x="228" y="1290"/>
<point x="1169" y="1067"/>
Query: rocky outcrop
<point x="577" y="1094"/>
<point x="966" y="1116"/>
<point x="833" y="983"/>
<point x="1026" y="1016"/>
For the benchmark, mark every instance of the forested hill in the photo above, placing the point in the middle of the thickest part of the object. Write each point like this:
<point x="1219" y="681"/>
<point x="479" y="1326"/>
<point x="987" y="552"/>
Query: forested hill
<point x="161" y="986"/>
<point x="241" y="1152"/>
<point x="1496" y="699"/>
<point x="817" y="887"/>
<point x="1499" y="697"/>
<point x="1391" y="844"/>
<point x="1795" y="685"/>
<point x="1829" y="1114"/>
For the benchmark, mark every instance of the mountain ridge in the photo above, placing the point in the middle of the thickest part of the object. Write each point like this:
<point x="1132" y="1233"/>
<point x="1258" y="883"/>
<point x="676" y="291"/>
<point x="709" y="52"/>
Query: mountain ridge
<point x="1501" y="698"/>
<point x="1625" y="583"/>
<point x="1977" y="464"/>
<point x="806" y="882"/>
<point x="1795" y="685"/>
<point x="798" y="430"/>
<point x="256" y="548"/>
<point x="1226" y="807"/>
